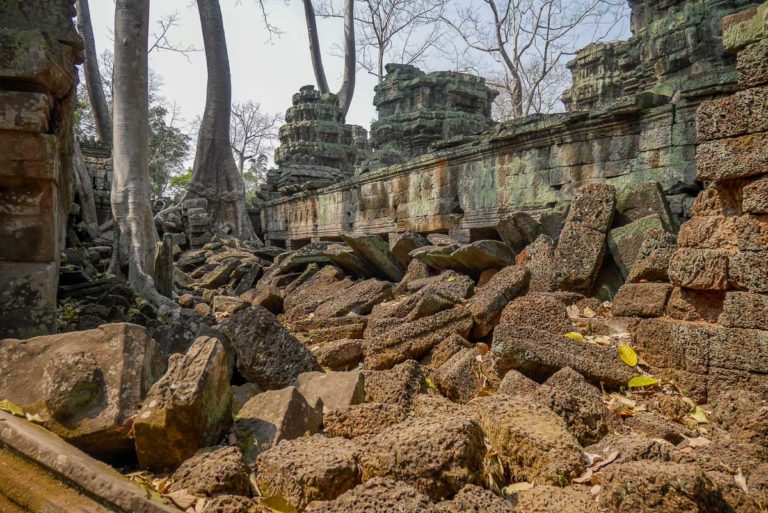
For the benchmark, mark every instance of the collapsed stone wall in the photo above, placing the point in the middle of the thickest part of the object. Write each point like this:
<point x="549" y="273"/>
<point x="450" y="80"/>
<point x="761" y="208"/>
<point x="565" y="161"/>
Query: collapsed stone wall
<point x="641" y="129"/>
<point x="39" y="49"/>
<point x="98" y="161"/>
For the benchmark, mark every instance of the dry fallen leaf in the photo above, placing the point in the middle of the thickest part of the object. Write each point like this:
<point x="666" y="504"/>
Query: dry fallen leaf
<point x="585" y="477"/>
<point x="277" y="504"/>
<point x="588" y="313"/>
<point x="573" y="311"/>
<point x="11" y="408"/>
<point x="741" y="481"/>
<point x="517" y="487"/>
<point x="182" y="498"/>
<point x="595" y="490"/>
<point x="627" y="355"/>
<point x="698" y="441"/>
<point x="699" y="415"/>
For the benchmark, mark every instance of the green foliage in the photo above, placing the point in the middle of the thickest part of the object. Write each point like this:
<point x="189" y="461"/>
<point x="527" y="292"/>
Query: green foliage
<point x="180" y="183"/>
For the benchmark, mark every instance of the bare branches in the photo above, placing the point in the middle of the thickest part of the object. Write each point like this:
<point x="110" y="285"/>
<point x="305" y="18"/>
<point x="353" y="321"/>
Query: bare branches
<point x="522" y="45"/>
<point x="161" y="40"/>
<point x="252" y="132"/>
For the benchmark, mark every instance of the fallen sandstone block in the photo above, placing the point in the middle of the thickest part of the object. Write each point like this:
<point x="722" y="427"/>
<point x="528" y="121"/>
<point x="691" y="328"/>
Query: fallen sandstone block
<point x="487" y="304"/>
<point x="377" y="495"/>
<point x="335" y="389"/>
<point x="641" y="299"/>
<point x="626" y="241"/>
<point x="189" y="408"/>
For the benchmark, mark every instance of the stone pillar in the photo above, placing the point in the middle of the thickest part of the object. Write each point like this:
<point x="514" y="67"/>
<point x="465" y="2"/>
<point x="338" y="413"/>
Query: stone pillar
<point x="38" y="52"/>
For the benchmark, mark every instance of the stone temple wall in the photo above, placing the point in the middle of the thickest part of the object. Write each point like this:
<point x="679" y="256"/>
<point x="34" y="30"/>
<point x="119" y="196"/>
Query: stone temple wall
<point x="640" y="129"/>
<point x="98" y="160"/>
<point x="39" y="48"/>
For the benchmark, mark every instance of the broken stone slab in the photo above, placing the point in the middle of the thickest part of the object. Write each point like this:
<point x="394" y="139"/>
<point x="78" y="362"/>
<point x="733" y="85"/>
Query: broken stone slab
<point x="229" y="305"/>
<point x="437" y="456"/>
<point x="489" y="301"/>
<point x="213" y="471"/>
<point x="695" y="305"/>
<point x="416" y="270"/>
<point x="308" y="469"/>
<point x="273" y="416"/>
<point x="328" y="282"/>
<point x="578" y="258"/>
<point x="626" y="241"/>
<point x="40" y="472"/>
<point x="363" y="419"/>
<point x="638" y="201"/>
<point x="377" y="494"/>
<point x="744" y="310"/>
<point x="340" y="355"/>
<point x="700" y="269"/>
<point x="642" y="300"/>
<point x="460" y="379"/>
<point x="593" y="206"/>
<point x="359" y="299"/>
<point x="519" y="230"/>
<point x="336" y="390"/>
<point x="539" y="258"/>
<point x="398" y="341"/>
<point x="398" y="385"/>
<point x="87" y="385"/>
<point x="249" y="279"/>
<point x="652" y="260"/>
<point x="219" y="276"/>
<point x="187" y="409"/>
<point x="346" y="258"/>
<point x="265" y="352"/>
<point x="375" y="251"/>
<point x="471" y="259"/>
<point x="402" y="244"/>
<point x="538" y="353"/>
<point x="532" y="442"/>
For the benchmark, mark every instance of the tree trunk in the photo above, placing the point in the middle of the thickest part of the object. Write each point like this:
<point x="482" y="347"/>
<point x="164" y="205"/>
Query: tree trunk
<point x="350" y="59"/>
<point x="214" y="175"/>
<point x="85" y="191"/>
<point x="134" y="223"/>
<point x="314" y="47"/>
<point x="92" y="75"/>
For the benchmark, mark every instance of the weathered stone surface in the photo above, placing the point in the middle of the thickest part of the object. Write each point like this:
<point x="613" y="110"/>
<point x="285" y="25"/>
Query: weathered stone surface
<point x="266" y="353"/>
<point x="411" y="340"/>
<point x="695" y="305"/>
<point x="539" y="258"/>
<point x="531" y="441"/>
<point x="443" y="351"/>
<point x="751" y="66"/>
<point x="625" y="242"/>
<point x="539" y="353"/>
<point x="699" y="269"/>
<point x="375" y="251"/>
<point x="748" y="270"/>
<point x="436" y="456"/>
<point x="551" y="499"/>
<point x="363" y="419"/>
<point x="87" y="384"/>
<point x="378" y="495"/>
<point x="189" y="408"/>
<point x="308" y="469"/>
<point x="404" y="243"/>
<point x="755" y="196"/>
<point x="219" y="276"/>
<point x="745" y="232"/>
<point x="273" y="416"/>
<point x="643" y="486"/>
<point x="487" y="304"/>
<point x="473" y="499"/>
<point x="229" y="305"/>
<point x="578" y="257"/>
<point x="744" y="310"/>
<point x="460" y="379"/>
<point x="735" y="157"/>
<point x="638" y="201"/>
<point x="335" y="389"/>
<point x="642" y="300"/>
<point x="340" y="355"/>
<point x="213" y="471"/>
<point x="744" y="27"/>
<point x="593" y="207"/>
<point x="359" y="299"/>
<point x="543" y="311"/>
<point x="40" y="472"/>
<point x="229" y="504"/>
<point x="471" y="259"/>
<point x="514" y="383"/>
<point x="416" y="270"/>
<point x="395" y="386"/>
<point x="519" y="230"/>
<point x="741" y="113"/>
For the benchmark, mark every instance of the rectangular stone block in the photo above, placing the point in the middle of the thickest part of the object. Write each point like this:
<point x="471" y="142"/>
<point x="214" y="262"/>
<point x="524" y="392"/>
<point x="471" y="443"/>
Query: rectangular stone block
<point x="641" y="299"/>
<point x="32" y="57"/>
<point x="720" y="198"/>
<point x="28" y="155"/>
<point x="748" y="270"/>
<point x="695" y="305"/>
<point x="725" y="380"/>
<point x="24" y="111"/>
<point x="28" y="232"/>
<point x="746" y="232"/>
<point x="735" y="157"/>
<point x="745" y="27"/>
<point x="744" y="112"/>
<point x="752" y="64"/>
<point x="745" y="310"/>
<point x="755" y="196"/>
<point x="625" y="242"/>
<point x="700" y="269"/>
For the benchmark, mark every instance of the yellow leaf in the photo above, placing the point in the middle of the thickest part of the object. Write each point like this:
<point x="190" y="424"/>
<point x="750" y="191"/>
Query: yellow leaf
<point x="12" y="408"/>
<point x="642" y="381"/>
<point x="699" y="415"/>
<point x="34" y="418"/>
<point x="431" y="384"/>
<point x="627" y="355"/>
<point x="589" y="313"/>
<point x="452" y="278"/>
<point x="575" y="336"/>
<point x="277" y="504"/>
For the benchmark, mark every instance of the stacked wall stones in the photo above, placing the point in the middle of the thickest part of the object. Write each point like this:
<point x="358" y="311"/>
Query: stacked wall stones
<point x="642" y="97"/>
<point x="316" y="147"/>
<point x="38" y="52"/>
<point x="715" y="333"/>
<point x="417" y="110"/>
<point x="98" y="160"/>
<point x="676" y="45"/>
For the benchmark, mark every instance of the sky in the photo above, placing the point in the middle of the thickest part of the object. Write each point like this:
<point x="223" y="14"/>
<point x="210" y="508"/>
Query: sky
<point x="262" y="71"/>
